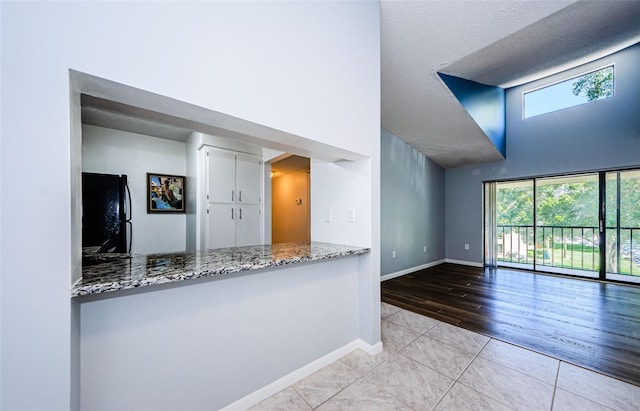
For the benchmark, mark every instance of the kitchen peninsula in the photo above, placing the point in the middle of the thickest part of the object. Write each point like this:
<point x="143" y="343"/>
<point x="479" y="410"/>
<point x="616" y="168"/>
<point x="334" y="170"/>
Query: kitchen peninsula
<point x="184" y="330"/>
<point x="139" y="270"/>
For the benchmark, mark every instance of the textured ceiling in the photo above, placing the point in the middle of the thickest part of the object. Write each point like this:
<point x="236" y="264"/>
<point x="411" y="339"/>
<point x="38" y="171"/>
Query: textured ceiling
<point x="502" y="42"/>
<point x="576" y="34"/>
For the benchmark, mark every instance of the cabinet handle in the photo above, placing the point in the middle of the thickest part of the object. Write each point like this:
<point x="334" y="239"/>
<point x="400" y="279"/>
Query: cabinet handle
<point x="232" y="213"/>
<point x="240" y="196"/>
<point x="240" y="214"/>
<point x="232" y="195"/>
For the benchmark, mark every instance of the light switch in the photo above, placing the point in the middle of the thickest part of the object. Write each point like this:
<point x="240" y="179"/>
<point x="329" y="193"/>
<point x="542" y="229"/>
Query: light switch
<point x="351" y="215"/>
<point x="327" y="216"/>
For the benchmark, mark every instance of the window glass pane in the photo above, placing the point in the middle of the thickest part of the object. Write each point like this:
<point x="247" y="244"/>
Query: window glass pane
<point x="568" y="201"/>
<point x="514" y="229"/>
<point x="572" y="92"/>
<point x="623" y="225"/>
<point x="567" y="223"/>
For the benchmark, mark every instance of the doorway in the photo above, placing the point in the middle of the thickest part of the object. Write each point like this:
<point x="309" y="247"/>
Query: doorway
<point x="290" y="203"/>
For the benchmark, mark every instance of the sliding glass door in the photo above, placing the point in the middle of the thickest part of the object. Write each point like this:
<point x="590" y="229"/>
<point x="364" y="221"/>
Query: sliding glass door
<point x="567" y="234"/>
<point x="553" y="224"/>
<point x="622" y="253"/>
<point x="515" y="242"/>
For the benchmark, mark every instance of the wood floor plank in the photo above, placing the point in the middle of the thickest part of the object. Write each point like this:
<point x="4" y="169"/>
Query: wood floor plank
<point x="591" y="324"/>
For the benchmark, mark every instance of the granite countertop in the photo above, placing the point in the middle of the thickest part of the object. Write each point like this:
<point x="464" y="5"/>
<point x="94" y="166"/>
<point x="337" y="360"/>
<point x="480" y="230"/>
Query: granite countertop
<point x="138" y="270"/>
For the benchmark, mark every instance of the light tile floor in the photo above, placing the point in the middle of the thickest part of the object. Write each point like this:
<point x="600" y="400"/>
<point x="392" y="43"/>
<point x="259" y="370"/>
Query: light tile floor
<point x="430" y="365"/>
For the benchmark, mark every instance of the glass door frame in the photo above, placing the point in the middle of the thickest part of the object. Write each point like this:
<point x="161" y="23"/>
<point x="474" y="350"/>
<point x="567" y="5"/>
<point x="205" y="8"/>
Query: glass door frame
<point x="605" y="274"/>
<point x="601" y="217"/>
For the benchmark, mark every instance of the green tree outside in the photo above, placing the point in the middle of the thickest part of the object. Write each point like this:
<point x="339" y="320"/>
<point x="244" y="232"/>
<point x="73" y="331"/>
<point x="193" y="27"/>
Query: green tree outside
<point x="596" y="85"/>
<point x="574" y="203"/>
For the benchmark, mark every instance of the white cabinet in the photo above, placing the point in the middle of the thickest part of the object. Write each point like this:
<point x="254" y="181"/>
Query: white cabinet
<point x="221" y="226"/>
<point x="221" y="176"/>
<point x="233" y="198"/>
<point x="248" y="179"/>
<point x="247" y="220"/>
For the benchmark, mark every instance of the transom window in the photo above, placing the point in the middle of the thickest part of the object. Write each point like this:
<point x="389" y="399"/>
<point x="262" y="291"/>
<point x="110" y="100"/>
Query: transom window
<point x="586" y="88"/>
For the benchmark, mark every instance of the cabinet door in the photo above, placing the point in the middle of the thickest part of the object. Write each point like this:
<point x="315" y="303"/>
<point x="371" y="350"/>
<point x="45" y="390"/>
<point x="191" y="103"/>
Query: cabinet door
<point x="249" y="178"/>
<point x="248" y="225"/>
<point x="221" y="176"/>
<point x="221" y="226"/>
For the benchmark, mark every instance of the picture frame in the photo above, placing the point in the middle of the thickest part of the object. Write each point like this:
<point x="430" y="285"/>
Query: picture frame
<point x="165" y="193"/>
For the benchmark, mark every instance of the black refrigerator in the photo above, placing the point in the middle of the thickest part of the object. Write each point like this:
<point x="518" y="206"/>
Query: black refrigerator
<point x="106" y="213"/>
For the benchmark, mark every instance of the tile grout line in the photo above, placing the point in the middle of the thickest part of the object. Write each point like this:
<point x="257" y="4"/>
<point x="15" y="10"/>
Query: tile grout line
<point x="456" y="380"/>
<point x="555" y="386"/>
<point x="515" y="370"/>
<point x="362" y="376"/>
<point x="398" y="352"/>
<point x="300" y="395"/>
<point x="405" y="346"/>
<point x="582" y="396"/>
<point x="522" y="372"/>
<point x="382" y="388"/>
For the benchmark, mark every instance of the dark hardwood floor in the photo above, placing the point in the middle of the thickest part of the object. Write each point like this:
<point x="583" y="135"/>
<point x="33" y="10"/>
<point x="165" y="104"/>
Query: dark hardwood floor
<point x="591" y="324"/>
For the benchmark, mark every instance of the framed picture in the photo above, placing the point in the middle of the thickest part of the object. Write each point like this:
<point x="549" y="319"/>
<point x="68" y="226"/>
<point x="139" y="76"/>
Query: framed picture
<point x="165" y="193"/>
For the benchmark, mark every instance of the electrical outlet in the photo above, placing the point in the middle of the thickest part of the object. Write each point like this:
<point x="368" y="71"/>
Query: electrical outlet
<point x="327" y="216"/>
<point x="425" y="248"/>
<point x="466" y="246"/>
<point x="393" y="254"/>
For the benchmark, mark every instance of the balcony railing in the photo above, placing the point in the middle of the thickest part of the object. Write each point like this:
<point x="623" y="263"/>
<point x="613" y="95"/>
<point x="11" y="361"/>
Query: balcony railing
<point x="569" y="247"/>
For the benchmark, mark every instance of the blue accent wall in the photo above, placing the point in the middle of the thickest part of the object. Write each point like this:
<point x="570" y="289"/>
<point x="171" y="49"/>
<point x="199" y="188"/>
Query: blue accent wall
<point x="412" y="207"/>
<point x="485" y="104"/>
<point x="603" y="134"/>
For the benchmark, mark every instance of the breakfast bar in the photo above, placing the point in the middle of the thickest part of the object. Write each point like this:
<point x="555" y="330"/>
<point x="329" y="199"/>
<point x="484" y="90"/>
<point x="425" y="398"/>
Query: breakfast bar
<point x="104" y="273"/>
<point x="184" y="330"/>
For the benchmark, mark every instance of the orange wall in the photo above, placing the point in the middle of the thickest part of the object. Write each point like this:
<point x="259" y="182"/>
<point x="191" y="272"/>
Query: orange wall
<point x="290" y="221"/>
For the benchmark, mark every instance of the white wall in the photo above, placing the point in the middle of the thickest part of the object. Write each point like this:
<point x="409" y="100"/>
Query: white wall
<point x="337" y="187"/>
<point x="111" y="151"/>
<point x="221" y="336"/>
<point x="307" y="68"/>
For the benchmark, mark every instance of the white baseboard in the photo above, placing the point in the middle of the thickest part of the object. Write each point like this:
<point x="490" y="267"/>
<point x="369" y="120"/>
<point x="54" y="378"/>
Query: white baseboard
<point x="370" y="349"/>
<point x="462" y="262"/>
<point x="301" y="373"/>
<point x="410" y="270"/>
